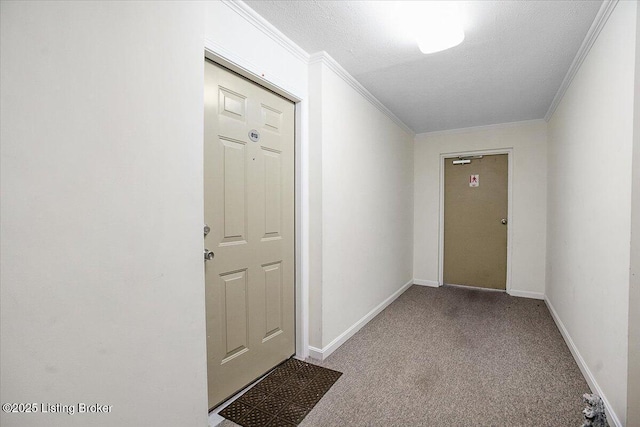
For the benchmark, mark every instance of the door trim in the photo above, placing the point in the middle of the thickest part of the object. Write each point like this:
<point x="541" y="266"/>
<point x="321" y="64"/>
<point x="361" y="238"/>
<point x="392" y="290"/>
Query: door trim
<point x="225" y="59"/>
<point x="225" y="62"/>
<point x="443" y="157"/>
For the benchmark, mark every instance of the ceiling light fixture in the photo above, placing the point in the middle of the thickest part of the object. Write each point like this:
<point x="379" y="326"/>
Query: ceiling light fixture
<point x="436" y="25"/>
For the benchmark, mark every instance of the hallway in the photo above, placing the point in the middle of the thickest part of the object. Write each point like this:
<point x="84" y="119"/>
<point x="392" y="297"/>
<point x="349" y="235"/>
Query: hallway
<point x="102" y="213"/>
<point x="454" y="356"/>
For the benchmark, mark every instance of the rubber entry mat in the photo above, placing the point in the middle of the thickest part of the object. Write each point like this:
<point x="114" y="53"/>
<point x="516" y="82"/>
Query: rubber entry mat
<point x="284" y="397"/>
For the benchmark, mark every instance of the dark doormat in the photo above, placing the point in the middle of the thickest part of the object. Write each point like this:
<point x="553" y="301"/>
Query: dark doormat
<point x="284" y="397"/>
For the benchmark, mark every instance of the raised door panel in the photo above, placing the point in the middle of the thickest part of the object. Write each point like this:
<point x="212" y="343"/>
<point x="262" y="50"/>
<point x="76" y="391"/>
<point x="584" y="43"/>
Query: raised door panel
<point x="232" y="105"/>
<point x="271" y="119"/>
<point x="234" y="308"/>
<point x="234" y="191"/>
<point x="273" y="300"/>
<point x="272" y="194"/>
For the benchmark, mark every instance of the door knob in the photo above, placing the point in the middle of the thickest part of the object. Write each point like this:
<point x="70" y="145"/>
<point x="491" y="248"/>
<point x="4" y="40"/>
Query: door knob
<point x="504" y="221"/>
<point x="208" y="255"/>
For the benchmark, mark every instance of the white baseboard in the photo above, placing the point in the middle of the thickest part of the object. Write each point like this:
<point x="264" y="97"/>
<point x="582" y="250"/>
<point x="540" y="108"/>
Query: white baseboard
<point x="526" y="294"/>
<point x="431" y="283"/>
<point x="315" y="353"/>
<point x="323" y="353"/>
<point x="611" y="415"/>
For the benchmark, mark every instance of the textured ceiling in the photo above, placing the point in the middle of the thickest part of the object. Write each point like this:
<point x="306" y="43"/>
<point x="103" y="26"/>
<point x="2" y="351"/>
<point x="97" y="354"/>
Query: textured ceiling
<point x="509" y="67"/>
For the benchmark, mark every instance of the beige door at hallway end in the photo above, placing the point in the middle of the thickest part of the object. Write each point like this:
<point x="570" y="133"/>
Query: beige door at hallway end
<point x="475" y="222"/>
<point x="249" y="211"/>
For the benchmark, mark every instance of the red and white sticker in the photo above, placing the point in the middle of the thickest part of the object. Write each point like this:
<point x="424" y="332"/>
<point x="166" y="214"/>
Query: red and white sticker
<point x="474" y="180"/>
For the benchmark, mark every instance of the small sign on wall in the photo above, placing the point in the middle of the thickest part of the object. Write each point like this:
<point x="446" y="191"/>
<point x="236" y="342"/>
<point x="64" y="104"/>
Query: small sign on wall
<point x="474" y="180"/>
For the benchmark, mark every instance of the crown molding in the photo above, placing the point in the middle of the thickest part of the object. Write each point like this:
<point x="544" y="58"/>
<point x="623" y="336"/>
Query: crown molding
<point x="267" y="28"/>
<point x="480" y="128"/>
<point x="326" y="59"/>
<point x="272" y="32"/>
<point x="598" y="23"/>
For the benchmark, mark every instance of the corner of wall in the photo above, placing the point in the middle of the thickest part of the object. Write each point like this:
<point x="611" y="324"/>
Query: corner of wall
<point x="315" y="207"/>
<point x="633" y="377"/>
<point x="333" y="65"/>
<point x="592" y="34"/>
<point x="324" y="352"/>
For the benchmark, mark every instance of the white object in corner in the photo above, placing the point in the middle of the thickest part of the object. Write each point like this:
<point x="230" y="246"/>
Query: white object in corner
<point x="323" y="353"/>
<point x="611" y="415"/>
<point x="431" y="283"/>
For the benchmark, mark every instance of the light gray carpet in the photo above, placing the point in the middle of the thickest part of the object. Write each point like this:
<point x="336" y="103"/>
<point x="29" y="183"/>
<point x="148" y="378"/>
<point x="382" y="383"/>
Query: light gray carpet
<point x="454" y="357"/>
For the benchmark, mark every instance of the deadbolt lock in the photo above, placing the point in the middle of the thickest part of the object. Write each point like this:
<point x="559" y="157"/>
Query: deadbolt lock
<point x="504" y="221"/>
<point x="207" y="229"/>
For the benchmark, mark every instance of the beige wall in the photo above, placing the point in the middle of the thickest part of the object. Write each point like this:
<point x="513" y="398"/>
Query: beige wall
<point x="528" y="219"/>
<point x="589" y="207"/>
<point x="101" y="162"/>
<point x="366" y="204"/>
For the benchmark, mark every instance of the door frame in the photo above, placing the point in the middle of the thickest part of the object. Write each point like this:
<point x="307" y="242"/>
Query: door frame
<point x="443" y="157"/>
<point x="301" y="185"/>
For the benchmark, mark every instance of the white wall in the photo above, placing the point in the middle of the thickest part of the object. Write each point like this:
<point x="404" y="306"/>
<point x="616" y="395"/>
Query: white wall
<point x="238" y="33"/>
<point x="367" y="204"/>
<point x="633" y="386"/>
<point x="103" y="190"/>
<point x="528" y="219"/>
<point x="589" y="207"/>
<point x="102" y="297"/>
<point x="315" y="204"/>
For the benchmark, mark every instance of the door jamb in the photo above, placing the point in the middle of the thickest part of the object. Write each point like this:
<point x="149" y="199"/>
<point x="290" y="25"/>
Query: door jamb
<point x="301" y="185"/>
<point x="443" y="157"/>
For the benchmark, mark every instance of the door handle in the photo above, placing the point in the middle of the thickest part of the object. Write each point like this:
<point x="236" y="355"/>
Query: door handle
<point x="208" y="255"/>
<point x="503" y="221"/>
